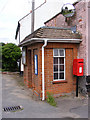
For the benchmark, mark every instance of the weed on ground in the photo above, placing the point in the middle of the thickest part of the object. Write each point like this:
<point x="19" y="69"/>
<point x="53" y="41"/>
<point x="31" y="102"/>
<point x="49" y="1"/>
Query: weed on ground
<point x="50" y="99"/>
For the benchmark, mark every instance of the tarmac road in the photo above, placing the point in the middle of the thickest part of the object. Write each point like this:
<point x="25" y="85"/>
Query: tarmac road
<point x="14" y="94"/>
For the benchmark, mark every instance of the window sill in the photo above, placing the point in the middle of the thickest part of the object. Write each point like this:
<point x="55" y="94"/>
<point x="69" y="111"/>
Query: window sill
<point x="62" y="81"/>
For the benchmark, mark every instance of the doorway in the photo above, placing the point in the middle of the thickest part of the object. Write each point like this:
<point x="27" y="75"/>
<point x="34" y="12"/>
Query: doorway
<point x="30" y="68"/>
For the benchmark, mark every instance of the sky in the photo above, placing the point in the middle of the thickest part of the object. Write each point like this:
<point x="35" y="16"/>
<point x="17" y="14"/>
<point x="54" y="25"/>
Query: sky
<point x="11" y="11"/>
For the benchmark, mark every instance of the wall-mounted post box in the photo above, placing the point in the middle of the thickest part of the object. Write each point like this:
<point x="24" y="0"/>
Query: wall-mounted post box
<point x="78" y="67"/>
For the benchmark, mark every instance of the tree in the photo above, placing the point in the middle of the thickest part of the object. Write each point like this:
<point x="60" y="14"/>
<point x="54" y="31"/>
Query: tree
<point x="0" y="55"/>
<point x="2" y="44"/>
<point x="11" y="53"/>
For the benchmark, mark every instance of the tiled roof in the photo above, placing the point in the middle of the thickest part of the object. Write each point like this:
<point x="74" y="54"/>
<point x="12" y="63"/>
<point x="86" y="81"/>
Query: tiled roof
<point x="53" y="33"/>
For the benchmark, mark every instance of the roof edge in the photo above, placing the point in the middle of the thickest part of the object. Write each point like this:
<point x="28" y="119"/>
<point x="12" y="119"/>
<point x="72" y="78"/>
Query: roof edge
<point x="35" y="40"/>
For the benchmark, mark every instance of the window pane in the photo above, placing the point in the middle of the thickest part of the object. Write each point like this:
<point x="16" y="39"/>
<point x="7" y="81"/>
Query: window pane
<point x="61" y="52"/>
<point x="55" y="68"/>
<point x="55" y="76"/>
<point x="55" y="52"/>
<point x="61" y="68"/>
<point x="61" y="60"/>
<point x="55" y="60"/>
<point x="61" y="75"/>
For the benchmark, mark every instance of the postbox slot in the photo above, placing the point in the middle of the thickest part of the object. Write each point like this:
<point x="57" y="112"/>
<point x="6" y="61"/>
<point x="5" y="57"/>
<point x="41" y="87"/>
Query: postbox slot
<point x="80" y="62"/>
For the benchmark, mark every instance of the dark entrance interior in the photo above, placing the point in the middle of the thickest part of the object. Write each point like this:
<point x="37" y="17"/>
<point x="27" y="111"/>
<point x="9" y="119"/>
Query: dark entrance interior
<point x="30" y="68"/>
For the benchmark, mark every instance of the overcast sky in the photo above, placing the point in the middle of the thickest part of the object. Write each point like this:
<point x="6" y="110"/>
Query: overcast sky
<point x="10" y="13"/>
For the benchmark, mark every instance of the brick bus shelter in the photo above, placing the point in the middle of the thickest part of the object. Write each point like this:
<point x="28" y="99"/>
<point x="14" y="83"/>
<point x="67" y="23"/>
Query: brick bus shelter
<point x="48" y="55"/>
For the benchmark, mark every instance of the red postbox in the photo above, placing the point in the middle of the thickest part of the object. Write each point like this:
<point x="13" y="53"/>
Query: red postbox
<point x="78" y="67"/>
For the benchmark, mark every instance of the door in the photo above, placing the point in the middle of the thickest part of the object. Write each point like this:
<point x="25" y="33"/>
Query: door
<point x="30" y="68"/>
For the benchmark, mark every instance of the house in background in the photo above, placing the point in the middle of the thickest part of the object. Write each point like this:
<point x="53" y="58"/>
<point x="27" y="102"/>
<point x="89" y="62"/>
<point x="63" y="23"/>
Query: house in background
<point x="49" y="51"/>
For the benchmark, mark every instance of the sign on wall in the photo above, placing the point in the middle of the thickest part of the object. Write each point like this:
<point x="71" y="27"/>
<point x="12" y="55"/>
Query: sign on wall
<point x="36" y="64"/>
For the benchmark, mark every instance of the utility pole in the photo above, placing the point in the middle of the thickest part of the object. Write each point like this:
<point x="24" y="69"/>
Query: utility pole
<point x="32" y="16"/>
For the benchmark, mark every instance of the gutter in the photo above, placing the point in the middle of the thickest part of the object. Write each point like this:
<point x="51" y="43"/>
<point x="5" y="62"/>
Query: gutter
<point x="51" y="40"/>
<point x="43" y="74"/>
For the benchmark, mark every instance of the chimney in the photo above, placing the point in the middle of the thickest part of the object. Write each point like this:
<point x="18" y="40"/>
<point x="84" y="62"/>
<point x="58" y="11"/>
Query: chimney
<point x="32" y="16"/>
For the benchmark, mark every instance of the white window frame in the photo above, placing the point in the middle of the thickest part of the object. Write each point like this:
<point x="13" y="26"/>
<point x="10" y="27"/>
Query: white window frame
<point x="58" y="65"/>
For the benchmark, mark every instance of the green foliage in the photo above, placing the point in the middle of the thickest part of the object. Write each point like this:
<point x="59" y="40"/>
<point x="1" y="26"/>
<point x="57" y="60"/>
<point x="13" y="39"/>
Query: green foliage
<point x="10" y="55"/>
<point x="50" y="99"/>
<point x="0" y="56"/>
<point x="2" y="44"/>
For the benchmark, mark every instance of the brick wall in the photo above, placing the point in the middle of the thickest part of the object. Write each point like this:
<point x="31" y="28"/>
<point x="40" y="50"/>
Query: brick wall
<point x="35" y="81"/>
<point x="69" y="84"/>
<point x="30" y="79"/>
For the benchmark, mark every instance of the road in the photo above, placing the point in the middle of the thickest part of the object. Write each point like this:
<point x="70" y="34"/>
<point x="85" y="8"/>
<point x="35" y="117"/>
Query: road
<point x="13" y="94"/>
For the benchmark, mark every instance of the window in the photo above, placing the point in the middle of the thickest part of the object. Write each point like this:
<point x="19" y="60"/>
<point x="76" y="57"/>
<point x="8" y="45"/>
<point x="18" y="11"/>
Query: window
<point x="59" y="64"/>
<point x="24" y="56"/>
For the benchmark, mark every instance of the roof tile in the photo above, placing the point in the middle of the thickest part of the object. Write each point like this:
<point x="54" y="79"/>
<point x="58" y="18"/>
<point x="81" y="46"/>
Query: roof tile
<point x="53" y="33"/>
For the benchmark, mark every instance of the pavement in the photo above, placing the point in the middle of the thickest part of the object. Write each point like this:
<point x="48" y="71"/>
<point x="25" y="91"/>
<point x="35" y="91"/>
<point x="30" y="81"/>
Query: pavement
<point x="14" y="93"/>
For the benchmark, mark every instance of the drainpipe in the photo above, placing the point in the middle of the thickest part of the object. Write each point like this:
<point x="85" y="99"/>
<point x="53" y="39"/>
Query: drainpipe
<point x="43" y="79"/>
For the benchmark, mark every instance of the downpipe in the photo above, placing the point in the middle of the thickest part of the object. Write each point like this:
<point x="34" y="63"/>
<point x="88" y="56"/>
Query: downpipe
<point x="43" y="74"/>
